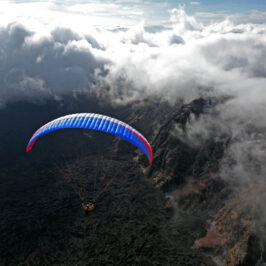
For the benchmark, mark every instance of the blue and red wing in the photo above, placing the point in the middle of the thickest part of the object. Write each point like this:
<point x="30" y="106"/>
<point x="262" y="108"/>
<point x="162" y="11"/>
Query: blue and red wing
<point x="95" y="122"/>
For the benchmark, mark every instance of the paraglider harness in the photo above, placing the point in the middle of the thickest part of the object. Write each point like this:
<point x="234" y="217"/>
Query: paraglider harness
<point x="91" y="205"/>
<point x="88" y="207"/>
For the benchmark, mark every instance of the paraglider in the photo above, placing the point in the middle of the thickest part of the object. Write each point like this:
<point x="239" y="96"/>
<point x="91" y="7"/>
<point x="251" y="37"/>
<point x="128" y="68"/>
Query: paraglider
<point x="99" y="123"/>
<point x="95" y="122"/>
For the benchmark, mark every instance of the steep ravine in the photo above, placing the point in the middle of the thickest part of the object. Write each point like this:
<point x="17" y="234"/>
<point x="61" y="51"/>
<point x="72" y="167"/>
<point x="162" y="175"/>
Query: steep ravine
<point x="191" y="174"/>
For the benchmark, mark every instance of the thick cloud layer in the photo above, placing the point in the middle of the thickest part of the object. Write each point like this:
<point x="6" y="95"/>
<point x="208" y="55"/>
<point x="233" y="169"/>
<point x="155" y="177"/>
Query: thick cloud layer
<point x="181" y="61"/>
<point x="35" y="68"/>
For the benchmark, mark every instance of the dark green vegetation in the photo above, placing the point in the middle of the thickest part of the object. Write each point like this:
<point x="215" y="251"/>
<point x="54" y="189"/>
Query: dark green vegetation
<point x="42" y="222"/>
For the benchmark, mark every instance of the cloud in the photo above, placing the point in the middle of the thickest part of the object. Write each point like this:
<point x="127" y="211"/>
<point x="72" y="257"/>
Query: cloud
<point x="195" y="3"/>
<point x="256" y="16"/>
<point x="134" y="63"/>
<point x="77" y="15"/>
<point x="50" y="66"/>
<point x="210" y="17"/>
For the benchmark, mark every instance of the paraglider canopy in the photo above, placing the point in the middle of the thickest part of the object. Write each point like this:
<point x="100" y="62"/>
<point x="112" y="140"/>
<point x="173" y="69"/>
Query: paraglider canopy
<point x="95" y="122"/>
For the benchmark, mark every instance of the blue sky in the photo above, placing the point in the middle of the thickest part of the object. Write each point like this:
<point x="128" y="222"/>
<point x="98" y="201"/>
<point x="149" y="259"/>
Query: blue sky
<point x="218" y="5"/>
<point x="159" y="8"/>
<point x="127" y="13"/>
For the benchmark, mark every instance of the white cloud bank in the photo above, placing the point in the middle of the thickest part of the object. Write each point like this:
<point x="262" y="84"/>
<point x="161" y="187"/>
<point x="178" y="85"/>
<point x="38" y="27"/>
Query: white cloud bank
<point x="130" y="63"/>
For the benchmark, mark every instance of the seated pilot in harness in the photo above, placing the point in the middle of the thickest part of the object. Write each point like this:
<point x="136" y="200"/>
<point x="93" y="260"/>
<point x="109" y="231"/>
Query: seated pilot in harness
<point x="89" y="206"/>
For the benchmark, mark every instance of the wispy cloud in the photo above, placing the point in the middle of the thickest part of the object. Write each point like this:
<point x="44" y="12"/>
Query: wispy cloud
<point x="195" y="3"/>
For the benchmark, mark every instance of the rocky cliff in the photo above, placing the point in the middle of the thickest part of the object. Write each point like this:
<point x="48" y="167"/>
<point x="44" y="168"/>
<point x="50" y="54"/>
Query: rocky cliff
<point x="189" y="174"/>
